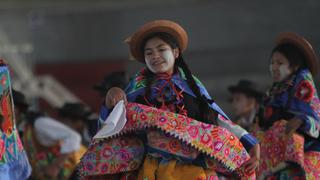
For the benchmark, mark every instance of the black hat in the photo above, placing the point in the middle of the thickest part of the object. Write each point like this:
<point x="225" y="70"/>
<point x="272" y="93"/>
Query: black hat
<point x="115" y="79"/>
<point x="19" y="99"/>
<point x="74" y="111"/>
<point x="247" y="87"/>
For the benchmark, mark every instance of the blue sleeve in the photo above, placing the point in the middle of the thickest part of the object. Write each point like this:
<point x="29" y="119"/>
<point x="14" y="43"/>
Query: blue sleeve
<point x="248" y="141"/>
<point x="104" y="113"/>
<point x="305" y="104"/>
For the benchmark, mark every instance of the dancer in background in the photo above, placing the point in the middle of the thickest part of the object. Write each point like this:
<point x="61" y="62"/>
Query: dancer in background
<point x="245" y="100"/>
<point x="290" y="117"/>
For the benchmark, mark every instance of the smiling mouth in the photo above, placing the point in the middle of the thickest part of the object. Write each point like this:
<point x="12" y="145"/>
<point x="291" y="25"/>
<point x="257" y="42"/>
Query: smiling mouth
<point x="157" y="63"/>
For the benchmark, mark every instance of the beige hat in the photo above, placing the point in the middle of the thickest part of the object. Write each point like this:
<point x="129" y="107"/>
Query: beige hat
<point x="166" y="26"/>
<point x="304" y="45"/>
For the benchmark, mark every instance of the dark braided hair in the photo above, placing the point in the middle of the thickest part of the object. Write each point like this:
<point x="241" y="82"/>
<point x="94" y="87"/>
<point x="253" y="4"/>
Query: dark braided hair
<point x="206" y="114"/>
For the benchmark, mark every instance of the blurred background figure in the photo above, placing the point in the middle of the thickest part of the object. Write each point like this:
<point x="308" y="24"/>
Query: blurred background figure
<point x="245" y="99"/>
<point x="115" y="79"/>
<point x="53" y="148"/>
<point x="20" y="109"/>
<point x="76" y="116"/>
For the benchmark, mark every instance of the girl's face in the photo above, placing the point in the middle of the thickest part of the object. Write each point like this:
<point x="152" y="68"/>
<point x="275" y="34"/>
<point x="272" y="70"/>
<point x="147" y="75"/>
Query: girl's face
<point x="280" y="68"/>
<point x="159" y="56"/>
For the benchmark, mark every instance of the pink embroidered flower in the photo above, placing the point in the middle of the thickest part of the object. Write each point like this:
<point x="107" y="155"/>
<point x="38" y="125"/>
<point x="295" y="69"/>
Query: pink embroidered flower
<point x="205" y="126"/>
<point x="193" y="131"/>
<point x="124" y="154"/>
<point x="176" y="124"/>
<point x="305" y="91"/>
<point x="174" y="145"/>
<point x="162" y="120"/>
<point x="227" y="152"/>
<point x="205" y="138"/>
<point x="89" y="167"/>
<point x="143" y="116"/>
<point x="124" y="142"/>
<point x="104" y="168"/>
<point x="218" y="145"/>
<point x="107" y="152"/>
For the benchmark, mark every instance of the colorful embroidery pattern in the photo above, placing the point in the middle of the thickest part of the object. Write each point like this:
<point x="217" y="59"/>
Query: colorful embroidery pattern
<point x="206" y="138"/>
<point x="10" y="143"/>
<point x="209" y="139"/>
<point x="277" y="148"/>
<point x="164" y="142"/>
<point x="112" y="156"/>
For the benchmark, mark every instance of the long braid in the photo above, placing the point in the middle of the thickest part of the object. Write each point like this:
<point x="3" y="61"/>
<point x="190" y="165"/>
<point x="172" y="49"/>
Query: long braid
<point x="203" y="103"/>
<point x="149" y="78"/>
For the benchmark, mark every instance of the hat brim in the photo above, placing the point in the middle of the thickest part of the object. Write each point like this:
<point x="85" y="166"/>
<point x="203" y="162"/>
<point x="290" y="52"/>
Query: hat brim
<point x="83" y="116"/>
<point x="166" y="26"/>
<point x="304" y="45"/>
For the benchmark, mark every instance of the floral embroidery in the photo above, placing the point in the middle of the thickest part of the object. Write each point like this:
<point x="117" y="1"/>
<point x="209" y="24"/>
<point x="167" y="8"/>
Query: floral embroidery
<point x="211" y="140"/>
<point x="107" y="152"/>
<point x="174" y="145"/>
<point x="285" y="150"/>
<point x="10" y="144"/>
<point x="104" y="168"/>
<point x="193" y="131"/>
<point x="305" y="91"/>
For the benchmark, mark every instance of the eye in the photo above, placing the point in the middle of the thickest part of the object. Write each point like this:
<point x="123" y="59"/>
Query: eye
<point x="148" y="53"/>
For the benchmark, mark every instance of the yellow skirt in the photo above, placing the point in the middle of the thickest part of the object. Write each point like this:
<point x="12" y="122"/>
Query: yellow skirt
<point x="153" y="170"/>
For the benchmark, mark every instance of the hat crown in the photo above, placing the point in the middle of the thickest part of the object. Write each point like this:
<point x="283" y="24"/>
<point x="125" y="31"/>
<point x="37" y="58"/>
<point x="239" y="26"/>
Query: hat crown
<point x="247" y="84"/>
<point x="158" y="26"/>
<point x="301" y="43"/>
<point x="247" y="87"/>
<point x="74" y="110"/>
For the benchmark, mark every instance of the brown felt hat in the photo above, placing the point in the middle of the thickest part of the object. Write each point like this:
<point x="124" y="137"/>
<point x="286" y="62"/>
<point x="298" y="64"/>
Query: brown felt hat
<point x="304" y="45"/>
<point x="165" y="26"/>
